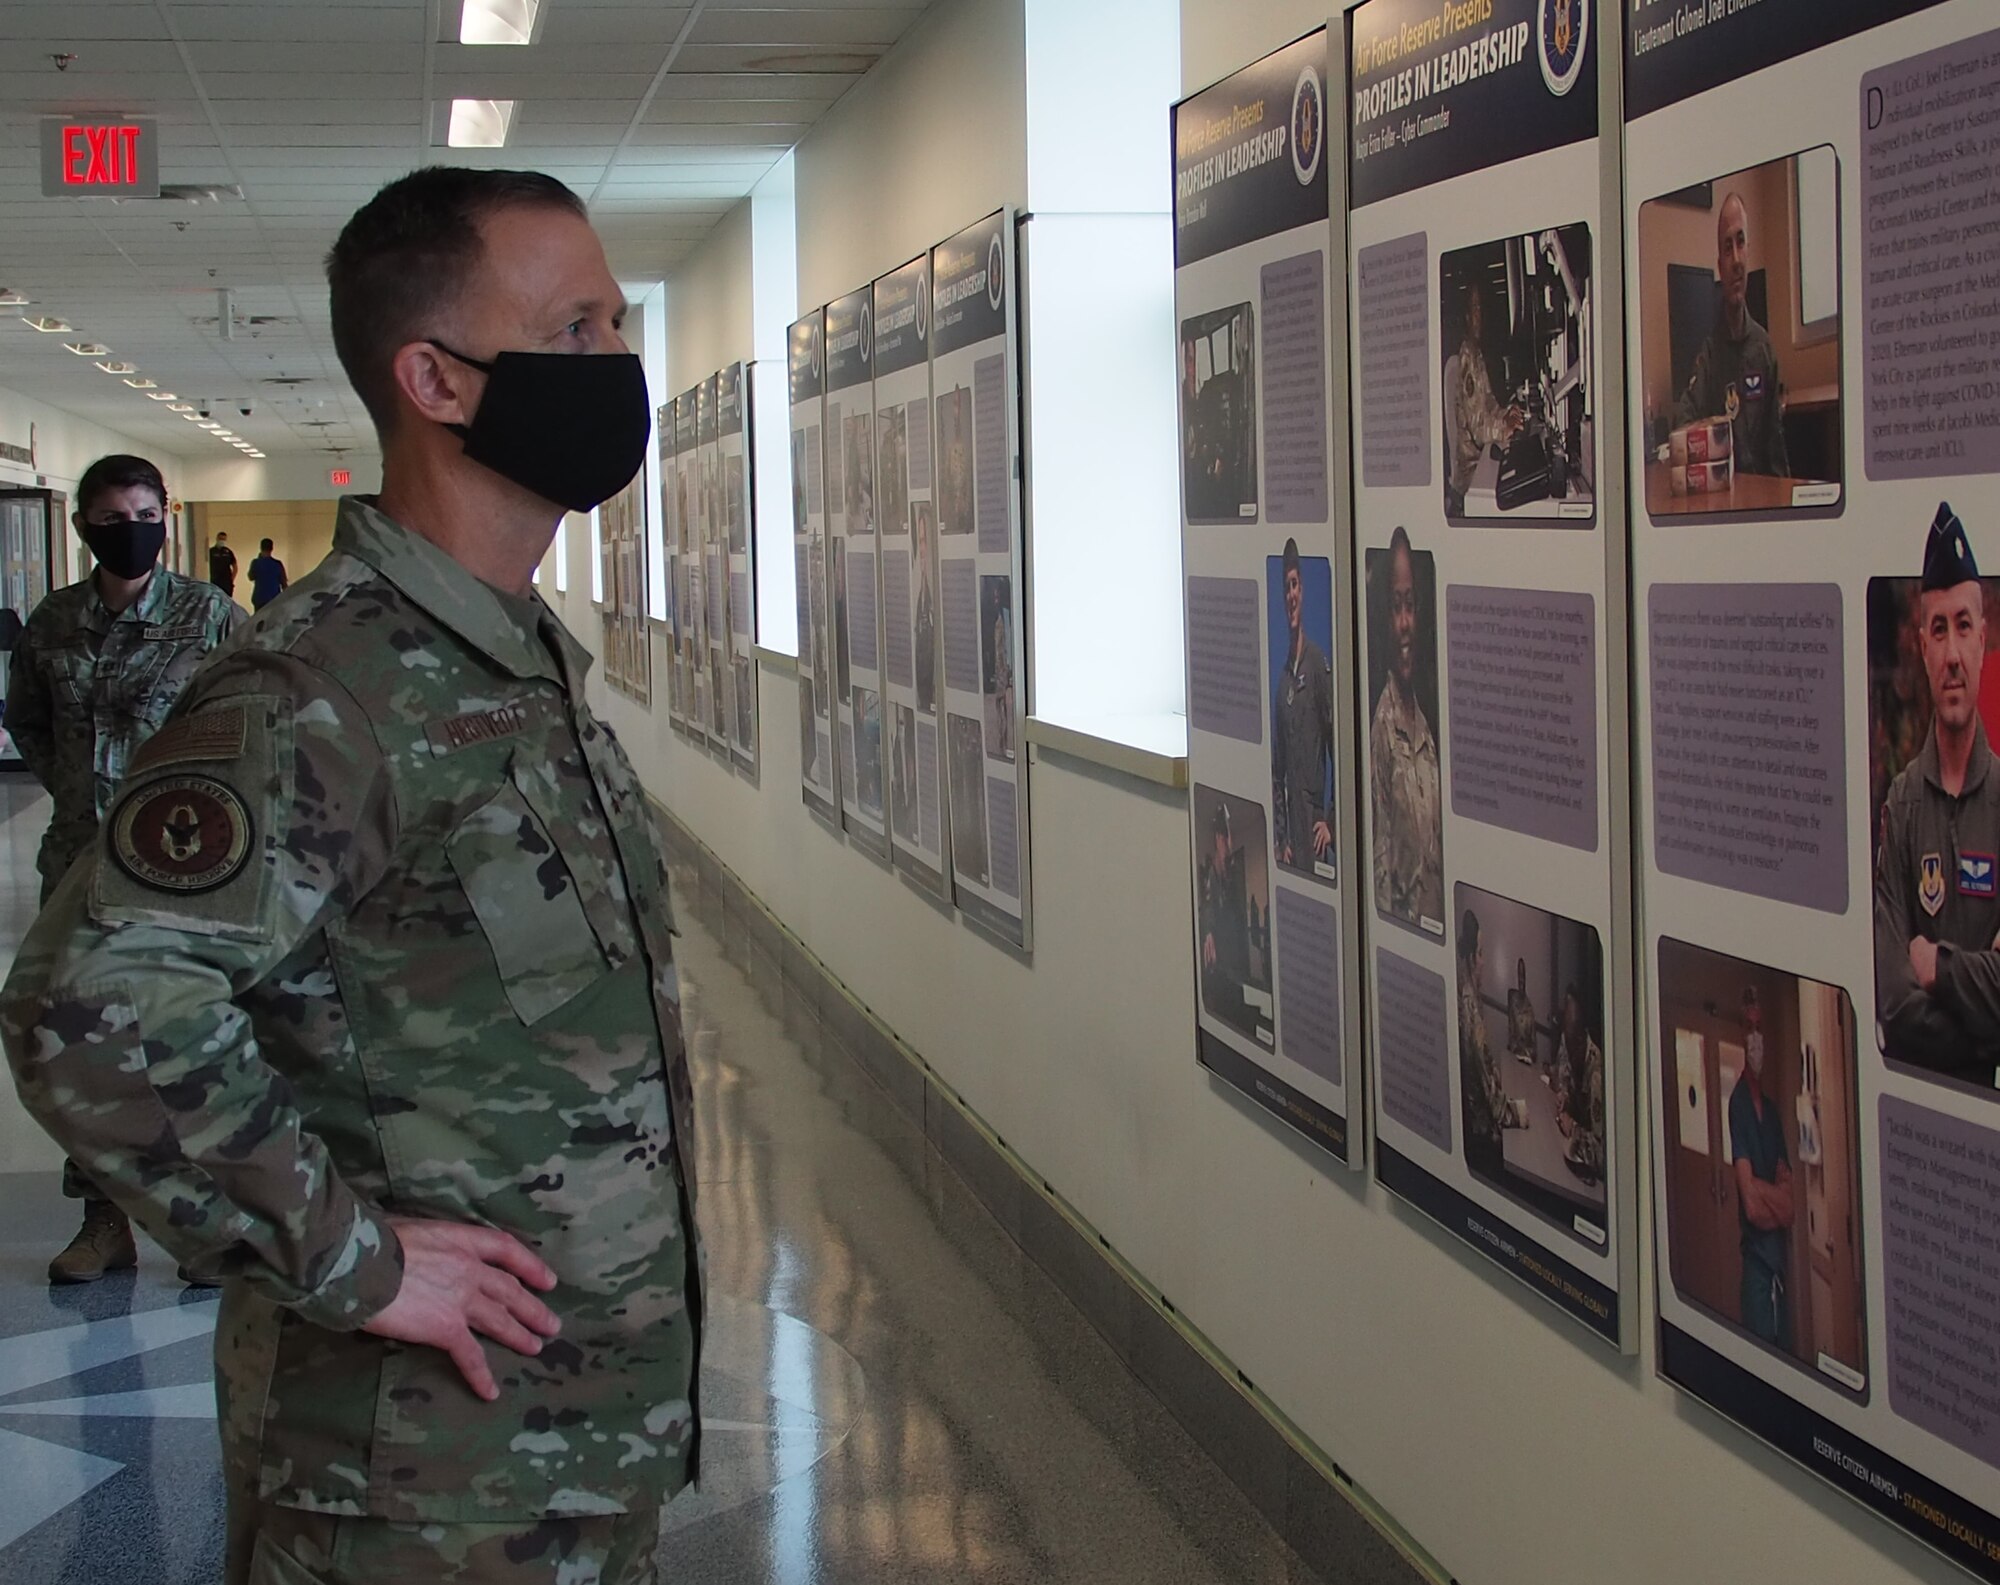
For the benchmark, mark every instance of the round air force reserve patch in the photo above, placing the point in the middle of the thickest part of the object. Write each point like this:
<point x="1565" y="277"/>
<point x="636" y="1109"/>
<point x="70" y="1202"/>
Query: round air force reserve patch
<point x="181" y="834"/>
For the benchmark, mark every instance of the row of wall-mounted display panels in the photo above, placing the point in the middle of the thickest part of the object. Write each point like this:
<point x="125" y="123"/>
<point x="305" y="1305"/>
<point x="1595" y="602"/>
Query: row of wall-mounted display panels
<point x="1590" y="438"/>
<point x="907" y="547"/>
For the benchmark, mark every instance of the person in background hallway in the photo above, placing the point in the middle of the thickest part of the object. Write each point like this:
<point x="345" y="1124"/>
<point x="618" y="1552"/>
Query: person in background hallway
<point x="268" y="578"/>
<point x="1735" y="375"/>
<point x="1937" y="894"/>
<point x="222" y="565"/>
<point x="1521" y="1015"/>
<point x="366" y="1000"/>
<point x="1763" y="1170"/>
<point x="97" y="667"/>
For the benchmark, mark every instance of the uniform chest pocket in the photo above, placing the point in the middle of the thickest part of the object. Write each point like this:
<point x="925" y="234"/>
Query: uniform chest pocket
<point x="526" y="900"/>
<point x="72" y="673"/>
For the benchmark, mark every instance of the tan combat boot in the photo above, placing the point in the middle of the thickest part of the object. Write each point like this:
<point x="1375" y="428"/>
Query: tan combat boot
<point x="103" y="1243"/>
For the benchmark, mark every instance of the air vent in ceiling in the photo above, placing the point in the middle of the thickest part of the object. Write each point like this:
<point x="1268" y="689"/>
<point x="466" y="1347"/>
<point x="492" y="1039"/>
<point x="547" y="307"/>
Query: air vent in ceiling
<point x="839" y="63"/>
<point x="189" y="193"/>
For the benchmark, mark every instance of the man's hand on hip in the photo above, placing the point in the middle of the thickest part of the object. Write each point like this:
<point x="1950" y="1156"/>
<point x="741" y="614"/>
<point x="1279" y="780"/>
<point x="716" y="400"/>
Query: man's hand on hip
<point x="459" y="1280"/>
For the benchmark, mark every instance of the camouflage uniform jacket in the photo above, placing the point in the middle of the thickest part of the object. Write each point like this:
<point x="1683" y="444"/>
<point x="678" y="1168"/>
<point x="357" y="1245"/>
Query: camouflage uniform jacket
<point x="1408" y="813"/>
<point x="88" y="685"/>
<point x="379" y="926"/>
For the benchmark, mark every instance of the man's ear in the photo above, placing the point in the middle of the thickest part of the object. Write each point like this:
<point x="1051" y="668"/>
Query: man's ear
<point x="435" y="384"/>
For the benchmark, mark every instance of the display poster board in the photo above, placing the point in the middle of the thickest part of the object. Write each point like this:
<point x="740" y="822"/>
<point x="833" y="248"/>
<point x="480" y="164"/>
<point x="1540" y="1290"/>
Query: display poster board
<point x="739" y="541"/>
<point x="1492" y="621"/>
<point x="806" y="375"/>
<point x="1268" y="763"/>
<point x="670" y="551"/>
<point x="1813" y="224"/>
<point x="976" y="489"/>
<point x="622" y="541"/>
<point x="714" y="563"/>
<point x="690" y="597"/>
<point x="906" y="541"/>
<point x="857" y="596"/>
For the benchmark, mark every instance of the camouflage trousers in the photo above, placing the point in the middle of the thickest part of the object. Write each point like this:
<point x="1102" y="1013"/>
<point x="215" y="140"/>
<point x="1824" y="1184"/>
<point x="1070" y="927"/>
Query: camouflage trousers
<point x="269" y="1545"/>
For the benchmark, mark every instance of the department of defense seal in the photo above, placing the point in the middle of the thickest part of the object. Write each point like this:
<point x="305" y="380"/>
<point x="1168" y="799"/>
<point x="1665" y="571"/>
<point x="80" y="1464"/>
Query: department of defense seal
<point x="181" y="834"/>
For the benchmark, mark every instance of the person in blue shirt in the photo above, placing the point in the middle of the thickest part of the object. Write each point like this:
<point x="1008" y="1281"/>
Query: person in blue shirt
<point x="267" y="577"/>
<point x="1764" y="1203"/>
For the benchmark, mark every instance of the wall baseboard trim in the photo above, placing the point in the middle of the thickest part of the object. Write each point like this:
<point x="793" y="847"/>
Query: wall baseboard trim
<point x="1305" y="1495"/>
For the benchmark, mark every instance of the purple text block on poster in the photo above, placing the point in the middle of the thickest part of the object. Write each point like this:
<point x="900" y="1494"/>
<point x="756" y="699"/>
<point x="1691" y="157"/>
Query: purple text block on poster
<point x="1748" y="758"/>
<point x="990" y="458"/>
<point x="1224" y="693"/>
<point x="1416" y="1068"/>
<point x="863" y="646"/>
<point x="1930" y="255"/>
<point x="896" y="616"/>
<point x="1941" y="1272"/>
<point x="961" y="625"/>
<point x="1394" y="291"/>
<point x="1293" y="293"/>
<point x="1004" y="835"/>
<point x="1309" y="983"/>
<point x="1523" y="689"/>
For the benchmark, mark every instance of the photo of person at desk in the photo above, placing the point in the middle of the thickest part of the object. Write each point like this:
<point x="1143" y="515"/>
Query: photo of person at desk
<point x="1534" y="1126"/>
<point x="1518" y="426"/>
<point x="1739" y="283"/>
<point x="1937" y="871"/>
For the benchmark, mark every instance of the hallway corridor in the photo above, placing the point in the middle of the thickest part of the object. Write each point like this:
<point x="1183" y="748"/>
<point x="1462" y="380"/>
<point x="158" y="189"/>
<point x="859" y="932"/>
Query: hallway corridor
<point x="895" y="1391"/>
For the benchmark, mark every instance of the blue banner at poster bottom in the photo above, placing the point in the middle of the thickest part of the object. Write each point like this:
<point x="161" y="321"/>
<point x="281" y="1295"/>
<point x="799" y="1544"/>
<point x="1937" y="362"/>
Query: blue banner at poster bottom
<point x="1584" y="1297"/>
<point x="1319" y="1123"/>
<point x="1942" y="1520"/>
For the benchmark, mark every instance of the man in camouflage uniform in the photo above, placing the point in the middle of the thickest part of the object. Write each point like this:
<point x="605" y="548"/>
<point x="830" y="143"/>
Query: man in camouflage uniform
<point x="1735" y="375"/>
<point x="1579" y="1090"/>
<point x="367" y="998"/>
<point x="1482" y="1095"/>
<point x="1478" y="419"/>
<point x="94" y="673"/>
<point x="1403" y="769"/>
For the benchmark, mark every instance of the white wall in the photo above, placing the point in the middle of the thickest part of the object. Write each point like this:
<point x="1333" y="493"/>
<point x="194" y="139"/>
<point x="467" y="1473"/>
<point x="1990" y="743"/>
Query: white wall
<point x="298" y="476"/>
<point x="65" y="445"/>
<point x="709" y="299"/>
<point x="1513" y="1448"/>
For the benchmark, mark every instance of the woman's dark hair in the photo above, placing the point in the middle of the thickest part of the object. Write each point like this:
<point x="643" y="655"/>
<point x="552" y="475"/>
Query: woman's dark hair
<point x="119" y="473"/>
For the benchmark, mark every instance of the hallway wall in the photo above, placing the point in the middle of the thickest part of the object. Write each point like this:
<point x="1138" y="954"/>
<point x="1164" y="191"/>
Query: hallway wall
<point x="1512" y="1448"/>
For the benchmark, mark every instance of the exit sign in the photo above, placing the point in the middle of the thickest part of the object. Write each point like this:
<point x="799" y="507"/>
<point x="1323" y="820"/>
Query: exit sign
<point x="340" y="478"/>
<point x="88" y="157"/>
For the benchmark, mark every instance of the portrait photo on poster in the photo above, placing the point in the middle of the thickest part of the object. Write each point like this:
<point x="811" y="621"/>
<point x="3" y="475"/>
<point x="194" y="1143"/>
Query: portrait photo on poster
<point x="1519" y="431"/>
<point x="965" y="751"/>
<point x="1739" y="342"/>
<point x="1531" y="1058"/>
<point x="843" y="661"/>
<point x="892" y="479"/>
<point x="1762" y="1161"/>
<point x="903" y="772"/>
<point x="868" y="751"/>
<point x="1219" y="415"/>
<point x="1933" y="710"/>
<point x="924" y="617"/>
<point x="996" y="663"/>
<point x="1299" y="634"/>
<point x="1406" y="803"/>
<point x="858" y="472"/>
<point x="954" y="472"/>
<point x="1233" y="908"/>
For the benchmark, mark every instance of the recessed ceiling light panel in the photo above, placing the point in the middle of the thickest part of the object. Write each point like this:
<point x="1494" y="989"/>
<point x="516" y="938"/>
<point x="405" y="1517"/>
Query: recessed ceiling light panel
<point x="87" y="349"/>
<point x="498" y="21"/>
<point x="480" y="123"/>
<point x="47" y="324"/>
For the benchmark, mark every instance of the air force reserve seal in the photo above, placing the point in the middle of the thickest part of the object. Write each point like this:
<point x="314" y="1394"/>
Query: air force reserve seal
<point x="181" y="834"/>
<point x="1308" y="126"/>
<point x="1930" y="883"/>
<point x="1562" y="30"/>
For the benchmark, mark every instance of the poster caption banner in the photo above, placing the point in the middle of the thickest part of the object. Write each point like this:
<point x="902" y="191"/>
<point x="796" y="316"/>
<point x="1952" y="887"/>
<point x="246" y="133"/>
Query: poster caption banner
<point x="1490" y="614"/>
<point x="976" y="491"/>
<point x="1272" y="845"/>
<point x="853" y="548"/>
<point x="907" y="547"/>
<point x="1811" y="215"/>
<point x="818" y="720"/>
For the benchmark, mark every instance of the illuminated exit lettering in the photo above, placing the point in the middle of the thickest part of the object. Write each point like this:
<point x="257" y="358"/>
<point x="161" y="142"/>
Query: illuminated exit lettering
<point x="100" y="156"/>
<point x="116" y="158"/>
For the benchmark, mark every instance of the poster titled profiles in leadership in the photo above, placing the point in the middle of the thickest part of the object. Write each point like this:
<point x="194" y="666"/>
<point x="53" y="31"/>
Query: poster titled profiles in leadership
<point x="854" y="554"/>
<point x="975" y="513"/>
<point x="806" y="369"/>
<point x="1812" y="215"/>
<point x="1270" y="695"/>
<point x="1490" y="607"/>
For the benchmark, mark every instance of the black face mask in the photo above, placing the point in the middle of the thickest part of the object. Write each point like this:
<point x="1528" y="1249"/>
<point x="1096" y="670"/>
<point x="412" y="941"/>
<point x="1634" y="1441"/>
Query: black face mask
<point x="572" y="427"/>
<point x="125" y="547"/>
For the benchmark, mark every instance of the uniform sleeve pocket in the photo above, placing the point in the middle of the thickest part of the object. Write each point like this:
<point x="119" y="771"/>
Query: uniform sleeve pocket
<point x="526" y="900"/>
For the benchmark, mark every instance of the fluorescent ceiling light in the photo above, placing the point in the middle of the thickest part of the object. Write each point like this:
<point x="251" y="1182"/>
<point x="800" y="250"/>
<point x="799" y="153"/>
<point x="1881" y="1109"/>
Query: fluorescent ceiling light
<point x="183" y="408"/>
<point x="48" y="324"/>
<point x="87" y="349"/>
<point x="223" y="434"/>
<point x="162" y="396"/>
<point x="498" y="21"/>
<point x="12" y="299"/>
<point x="480" y="123"/>
<point x="118" y="368"/>
<point x="189" y="414"/>
<point x="208" y="424"/>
